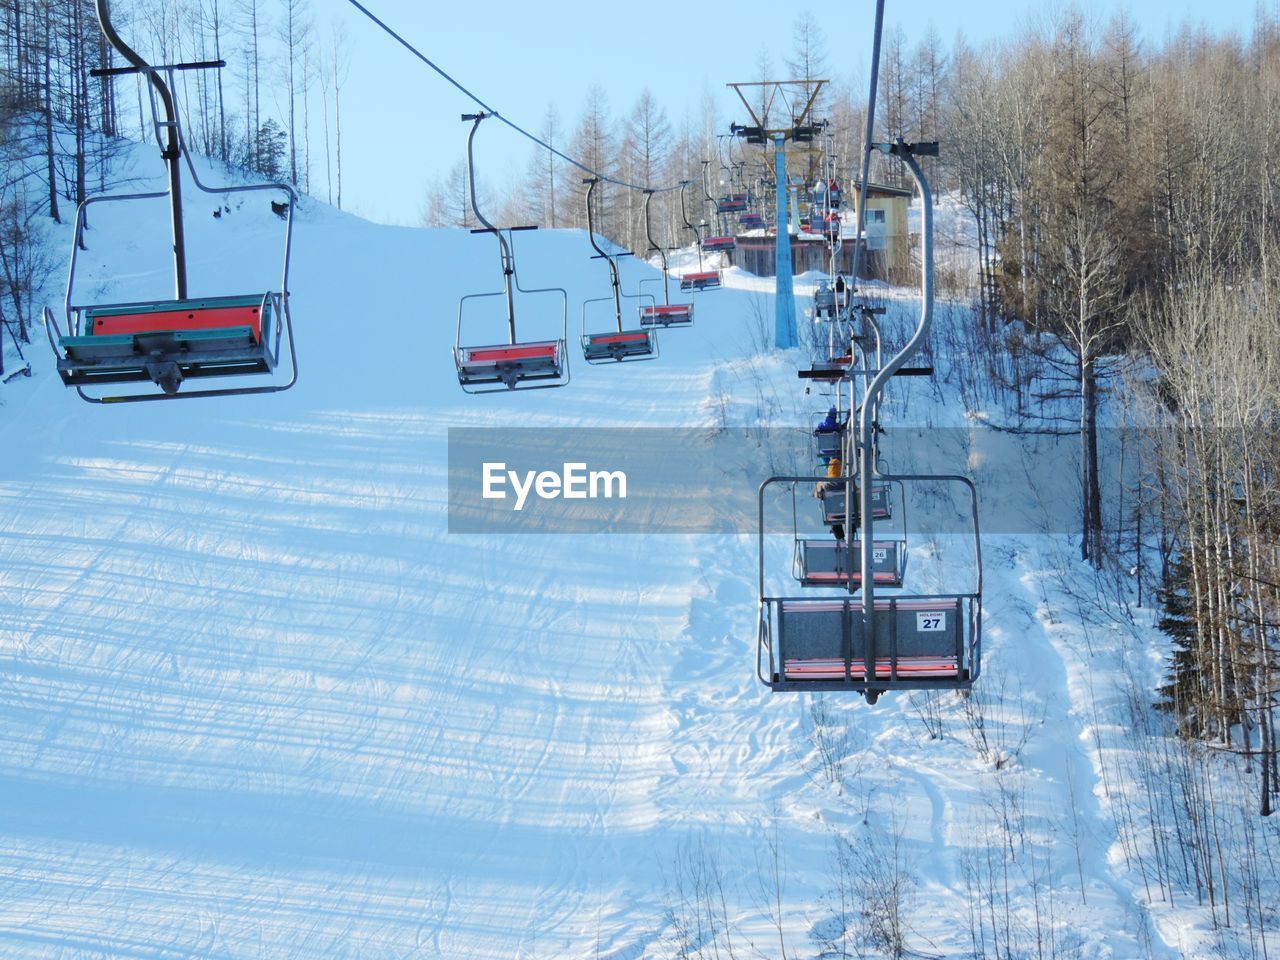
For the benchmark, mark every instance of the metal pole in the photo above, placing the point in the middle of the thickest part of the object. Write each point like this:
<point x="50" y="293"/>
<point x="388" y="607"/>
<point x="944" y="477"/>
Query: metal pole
<point x="508" y="262"/>
<point x="613" y="267"/>
<point x="170" y="152"/>
<point x="784" y="320"/>
<point x="648" y="233"/>
<point x="868" y="136"/>
<point x="684" y="215"/>
<point x="871" y="399"/>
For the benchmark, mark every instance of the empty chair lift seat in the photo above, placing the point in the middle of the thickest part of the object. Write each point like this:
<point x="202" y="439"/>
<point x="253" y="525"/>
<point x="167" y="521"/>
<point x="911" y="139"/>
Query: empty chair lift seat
<point x="751" y="221"/>
<point x="666" y="315"/>
<point x="718" y="243"/>
<point x="917" y="639"/>
<point x="617" y="345"/>
<point x="833" y="507"/>
<point x="703" y="280"/>
<point x="734" y="203"/>
<point x="170" y="341"/>
<point x="510" y="363"/>
<point x="828" y="563"/>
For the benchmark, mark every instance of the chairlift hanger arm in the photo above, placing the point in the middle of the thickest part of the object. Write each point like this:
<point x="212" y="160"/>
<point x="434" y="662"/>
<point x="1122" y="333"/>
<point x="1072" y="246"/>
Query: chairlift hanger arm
<point x="684" y="210"/>
<point x="170" y="149"/>
<point x="504" y="248"/>
<point x="593" y="182"/>
<point x="475" y="119"/>
<point x="648" y="233"/>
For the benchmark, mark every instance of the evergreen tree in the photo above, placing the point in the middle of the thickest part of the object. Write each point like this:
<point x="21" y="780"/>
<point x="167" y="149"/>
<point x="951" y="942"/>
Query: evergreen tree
<point x="1183" y="687"/>
<point x="272" y="150"/>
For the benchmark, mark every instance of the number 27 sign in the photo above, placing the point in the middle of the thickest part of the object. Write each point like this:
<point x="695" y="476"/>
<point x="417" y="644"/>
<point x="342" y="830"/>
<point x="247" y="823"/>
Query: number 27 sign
<point x="930" y="622"/>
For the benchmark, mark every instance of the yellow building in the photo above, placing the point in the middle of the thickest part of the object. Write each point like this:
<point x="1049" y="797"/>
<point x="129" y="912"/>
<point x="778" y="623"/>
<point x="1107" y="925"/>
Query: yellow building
<point x="887" y="233"/>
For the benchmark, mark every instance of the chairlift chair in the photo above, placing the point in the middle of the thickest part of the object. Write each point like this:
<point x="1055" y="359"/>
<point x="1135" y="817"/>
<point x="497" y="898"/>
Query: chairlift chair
<point x="615" y="345"/>
<point x="827" y="562"/>
<point x="721" y="242"/>
<point x="835" y="492"/>
<point x="700" y="279"/>
<point x="167" y="342"/>
<point x="733" y="203"/>
<point x="665" y="314"/>
<point x="517" y="364"/>
<point x="916" y="641"/>
<point x="871" y="644"/>
<point x="834" y="562"/>
<point x="830" y="433"/>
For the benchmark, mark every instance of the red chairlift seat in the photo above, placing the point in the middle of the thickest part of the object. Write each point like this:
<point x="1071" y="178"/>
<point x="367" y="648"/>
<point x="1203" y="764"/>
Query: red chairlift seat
<point x="711" y="244"/>
<point x="834" y="669"/>
<point x="170" y="341"/>
<point x="918" y="639"/>
<point x="510" y="364"/>
<point x="703" y="280"/>
<point x="734" y="203"/>
<point x="627" y="344"/>
<point x="751" y="221"/>
<point x="667" y="315"/>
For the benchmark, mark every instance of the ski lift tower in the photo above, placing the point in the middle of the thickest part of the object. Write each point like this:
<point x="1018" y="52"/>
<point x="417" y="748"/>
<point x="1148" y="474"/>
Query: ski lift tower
<point x="786" y="94"/>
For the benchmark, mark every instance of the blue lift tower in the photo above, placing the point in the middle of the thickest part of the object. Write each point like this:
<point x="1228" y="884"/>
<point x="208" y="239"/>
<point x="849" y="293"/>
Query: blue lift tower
<point x="786" y="94"/>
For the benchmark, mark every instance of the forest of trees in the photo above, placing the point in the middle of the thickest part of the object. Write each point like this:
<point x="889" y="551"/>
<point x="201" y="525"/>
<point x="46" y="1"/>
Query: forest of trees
<point x="1125" y="200"/>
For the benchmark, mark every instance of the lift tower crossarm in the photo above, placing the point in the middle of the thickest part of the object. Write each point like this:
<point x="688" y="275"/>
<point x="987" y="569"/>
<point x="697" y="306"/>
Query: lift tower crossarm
<point x="760" y="124"/>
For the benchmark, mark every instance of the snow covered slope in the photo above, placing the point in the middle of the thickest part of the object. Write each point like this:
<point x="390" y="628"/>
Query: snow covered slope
<point x="256" y="701"/>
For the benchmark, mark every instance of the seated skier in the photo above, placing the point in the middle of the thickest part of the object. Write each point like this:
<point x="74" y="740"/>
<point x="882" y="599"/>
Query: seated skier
<point x="831" y="423"/>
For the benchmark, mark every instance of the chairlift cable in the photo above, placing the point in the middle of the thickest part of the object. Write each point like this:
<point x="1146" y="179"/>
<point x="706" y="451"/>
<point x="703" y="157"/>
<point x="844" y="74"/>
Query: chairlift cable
<point x="495" y="114"/>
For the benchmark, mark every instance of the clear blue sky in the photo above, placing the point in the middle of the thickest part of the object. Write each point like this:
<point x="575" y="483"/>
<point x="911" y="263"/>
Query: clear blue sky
<point x="400" y="120"/>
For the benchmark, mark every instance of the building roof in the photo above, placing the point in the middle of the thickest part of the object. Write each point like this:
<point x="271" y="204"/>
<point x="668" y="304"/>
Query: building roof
<point x="881" y="190"/>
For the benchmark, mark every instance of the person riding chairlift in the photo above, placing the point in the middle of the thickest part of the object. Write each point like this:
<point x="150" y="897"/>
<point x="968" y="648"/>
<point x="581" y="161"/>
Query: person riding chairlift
<point x="824" y="301"/>
<point x="829" y="424"/>
<point x="836" y="482"/>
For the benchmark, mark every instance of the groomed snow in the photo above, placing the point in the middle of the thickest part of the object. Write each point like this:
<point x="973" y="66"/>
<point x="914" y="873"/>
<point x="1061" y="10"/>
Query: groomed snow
<point x="256" y="701"/>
